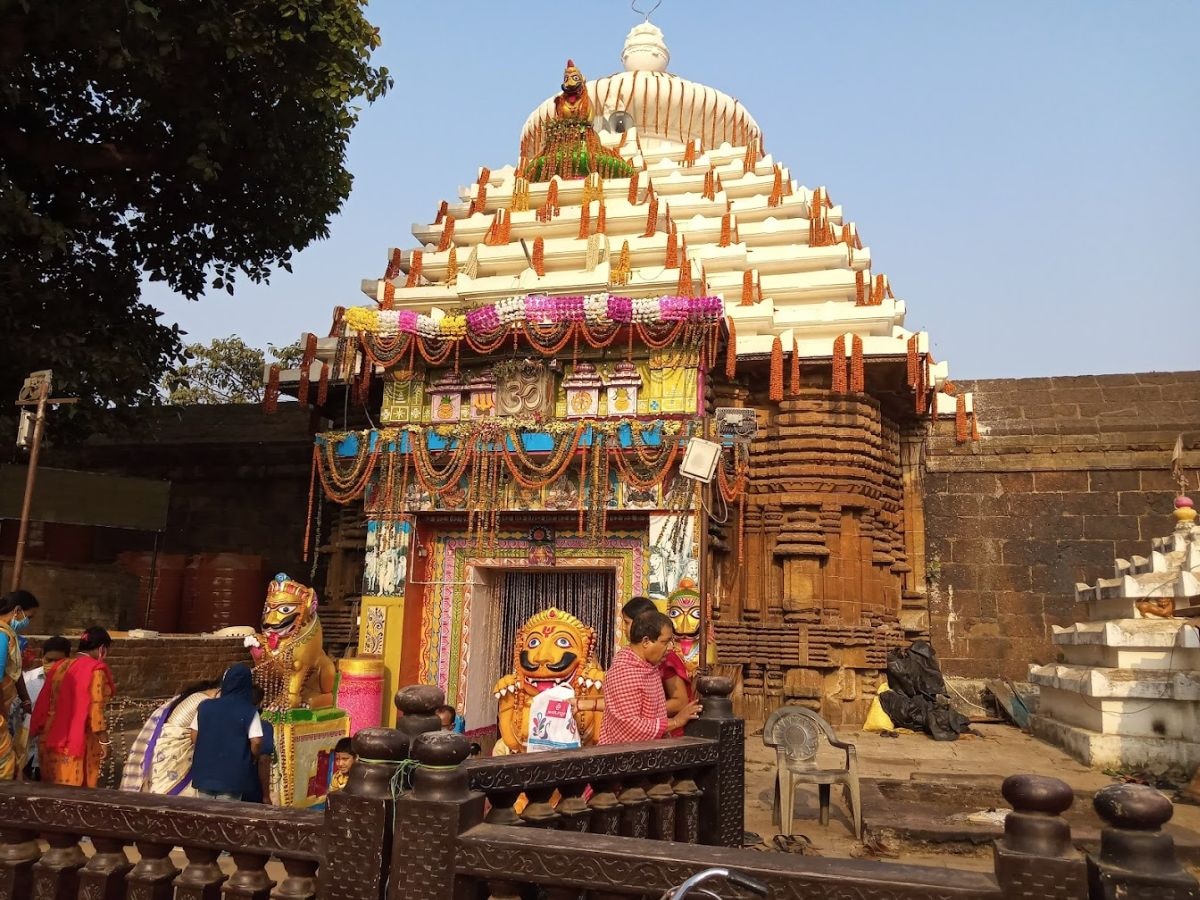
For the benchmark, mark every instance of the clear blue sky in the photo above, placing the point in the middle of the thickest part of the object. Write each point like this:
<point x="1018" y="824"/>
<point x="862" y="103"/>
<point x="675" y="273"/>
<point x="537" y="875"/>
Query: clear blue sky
<point x="1025" y="172"/>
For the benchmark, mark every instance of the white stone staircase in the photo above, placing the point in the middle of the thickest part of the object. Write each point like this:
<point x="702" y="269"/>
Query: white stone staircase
<point x="1128" y="693"/>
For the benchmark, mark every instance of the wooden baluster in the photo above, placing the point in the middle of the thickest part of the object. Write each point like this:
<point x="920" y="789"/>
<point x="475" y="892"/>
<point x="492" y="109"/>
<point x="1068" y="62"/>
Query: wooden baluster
<point x="606" y="809"/>
<point x="201" y="878"/>
<point x="104" y="874"/>
<point x="575" y="814"/>
<point x="56" y="874"/>
<point x="301" y="881"/>
<point x="635" y="811"/>
<point x="504" y="890"/>
<point x="501" y="812"/>
<point x="687" y="808"/>
<point x="249" y="881"/>
<point x="662" y="807"/>
<point x="540" y="813"/>
<point x="153" y="875"/>
<point x="19" y="850"/>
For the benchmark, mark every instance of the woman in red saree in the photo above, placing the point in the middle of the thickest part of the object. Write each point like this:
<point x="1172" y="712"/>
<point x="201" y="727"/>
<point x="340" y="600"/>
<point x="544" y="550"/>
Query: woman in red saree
<point x="69" y="719"/>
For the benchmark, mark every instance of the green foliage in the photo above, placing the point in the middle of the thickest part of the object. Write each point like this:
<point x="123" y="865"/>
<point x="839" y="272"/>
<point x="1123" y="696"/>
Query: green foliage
<point x="225" y="371"/>
<point x="190" y="143"/>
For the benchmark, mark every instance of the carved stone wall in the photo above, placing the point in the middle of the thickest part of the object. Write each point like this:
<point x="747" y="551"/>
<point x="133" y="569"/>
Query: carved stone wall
<point x="815" y="604"/>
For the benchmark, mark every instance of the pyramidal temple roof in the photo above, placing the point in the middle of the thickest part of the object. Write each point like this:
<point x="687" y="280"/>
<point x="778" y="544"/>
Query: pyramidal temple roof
<point x="705" y="212"/>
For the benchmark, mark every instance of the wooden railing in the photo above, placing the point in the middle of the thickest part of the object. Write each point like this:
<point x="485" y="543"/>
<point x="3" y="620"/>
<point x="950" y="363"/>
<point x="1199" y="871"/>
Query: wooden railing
<point x="627" y="822"/>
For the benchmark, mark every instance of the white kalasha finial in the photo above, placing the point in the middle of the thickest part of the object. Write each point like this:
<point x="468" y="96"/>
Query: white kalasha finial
<point x="645" y="50"/>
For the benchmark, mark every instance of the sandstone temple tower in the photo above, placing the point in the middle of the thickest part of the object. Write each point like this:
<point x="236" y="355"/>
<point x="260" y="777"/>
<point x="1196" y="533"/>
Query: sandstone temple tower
<point x="640" y="185"/>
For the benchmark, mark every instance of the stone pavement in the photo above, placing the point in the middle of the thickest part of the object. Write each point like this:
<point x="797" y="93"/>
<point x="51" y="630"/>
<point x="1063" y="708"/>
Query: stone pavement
<point x="1000" y="750"/>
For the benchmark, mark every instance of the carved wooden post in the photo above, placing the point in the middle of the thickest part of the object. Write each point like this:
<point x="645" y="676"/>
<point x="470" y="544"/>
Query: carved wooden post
<point x="301" y="881"/>
<point x="201" y="878"/>
<point x="575" y="813"/>
<point x="104" y="875"/>
<point x="56" y="874"/>
<point x="540" y="813"/>
<point x="19" y="850"/>
<point x="249" y="881"/>
<point x="1137" y="861"/>
<point x="635" y="811"/>
<point x="502" y="810"/>
<point x="429" y="819"/>
<point x="1035" y="858"/>
<point x="606" y="808"/>
<point x="722" y="806"/>
<point x="358" y="819"/>
<point x="153" y="875"/>
<point x="662" y="807"/>
<point x="687" y="808"/>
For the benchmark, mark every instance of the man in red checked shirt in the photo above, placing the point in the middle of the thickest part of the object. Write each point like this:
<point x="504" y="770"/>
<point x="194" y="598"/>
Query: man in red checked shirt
<point x="635" y="708"/>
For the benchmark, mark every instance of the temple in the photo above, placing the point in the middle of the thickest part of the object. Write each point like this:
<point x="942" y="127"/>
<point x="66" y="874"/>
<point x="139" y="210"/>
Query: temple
<point x="520" y="392"/>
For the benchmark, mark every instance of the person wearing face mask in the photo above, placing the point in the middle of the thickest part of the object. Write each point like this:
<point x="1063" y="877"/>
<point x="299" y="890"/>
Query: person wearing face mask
<point x="69" y="716"/>
<point x="16" y="610"/>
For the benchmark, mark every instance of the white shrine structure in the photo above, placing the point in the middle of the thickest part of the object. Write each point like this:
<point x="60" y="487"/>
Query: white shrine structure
<point x="1128" y="694"/>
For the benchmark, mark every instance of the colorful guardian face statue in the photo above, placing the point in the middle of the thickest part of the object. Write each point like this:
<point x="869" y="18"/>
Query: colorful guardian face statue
<point x="683" y="609"/>
<point x="552" y="648"/>
<point x="292" y="667"/>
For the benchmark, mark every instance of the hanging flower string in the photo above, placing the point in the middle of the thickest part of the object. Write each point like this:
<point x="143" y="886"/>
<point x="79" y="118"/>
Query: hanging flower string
<point x="479" y="459"/>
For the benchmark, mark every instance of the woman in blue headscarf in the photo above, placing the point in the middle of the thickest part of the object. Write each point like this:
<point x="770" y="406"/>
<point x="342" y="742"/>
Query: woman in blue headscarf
<point x="228" y="735"/>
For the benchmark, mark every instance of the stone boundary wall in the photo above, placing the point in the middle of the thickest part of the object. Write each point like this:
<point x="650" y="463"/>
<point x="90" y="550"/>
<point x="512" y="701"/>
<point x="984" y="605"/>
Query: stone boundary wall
<point x="149" y="668"/>
<point x="1070" y="474"/>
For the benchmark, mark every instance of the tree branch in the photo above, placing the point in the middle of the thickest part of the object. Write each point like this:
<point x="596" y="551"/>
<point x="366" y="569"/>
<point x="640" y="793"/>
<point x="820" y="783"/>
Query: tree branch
<point x="46" y="148"/>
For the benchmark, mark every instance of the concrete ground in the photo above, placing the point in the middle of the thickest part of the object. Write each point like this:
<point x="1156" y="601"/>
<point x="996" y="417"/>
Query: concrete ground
<point x="998" y="750"/>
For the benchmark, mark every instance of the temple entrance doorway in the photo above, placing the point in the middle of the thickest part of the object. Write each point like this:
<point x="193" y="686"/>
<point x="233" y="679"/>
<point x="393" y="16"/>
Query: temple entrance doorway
<point x="502" y="598"/>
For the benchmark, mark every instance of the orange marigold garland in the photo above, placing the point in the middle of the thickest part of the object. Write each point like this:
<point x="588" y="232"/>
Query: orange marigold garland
<point x="602" y="220"/>
<point x="389" y="295"/>
<point x="620" y="273"/>
<point x="447" y="236"/>
<point x="962" y="430"/>
<point x="837" y="375"/>
<point x="651" y="214"/>
<point x="912" y="361"/>
<point x="672" y="252"/>
<point x="731" y="349"/>
<point x="323" y="385"/>
<point x="339" y="314"/>
<point x="443" y="209"/>
<point x="633" y="189"/>
<point x="776" y="369"/>
<point x="776" y="197"/>
<point x="794" y="386"/>
<point x="585" y="221"/>
<point x="414" y="269"/>
<point x="860" y="288"/>
<point x="747" y="288"/>
<point x="452" y="266"/>
<point x="539" y="256"/>
<point x="725" y="232"/>
<point x="858" y="380"/>
<point x="685" y="289"/>
<point x="393" y="266"/>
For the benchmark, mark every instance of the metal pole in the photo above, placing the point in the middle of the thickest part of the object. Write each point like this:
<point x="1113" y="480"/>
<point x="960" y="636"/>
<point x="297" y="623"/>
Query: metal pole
<point x="30" y="478"/>
<point x="705" y="575"/>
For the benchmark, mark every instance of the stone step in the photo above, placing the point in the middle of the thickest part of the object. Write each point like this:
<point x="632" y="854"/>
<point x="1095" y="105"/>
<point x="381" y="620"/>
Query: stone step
<point x="1132" y="633"/>
<point x="1115" y="751"/>
<point x="1119" y="684"/>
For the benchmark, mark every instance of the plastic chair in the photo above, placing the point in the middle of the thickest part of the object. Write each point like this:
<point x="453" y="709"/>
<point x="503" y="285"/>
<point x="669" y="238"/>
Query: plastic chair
<point x="795" y="733"/>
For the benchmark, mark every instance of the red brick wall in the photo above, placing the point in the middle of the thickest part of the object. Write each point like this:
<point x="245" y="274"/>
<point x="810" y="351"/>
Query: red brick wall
<point x="1070" y="474"/>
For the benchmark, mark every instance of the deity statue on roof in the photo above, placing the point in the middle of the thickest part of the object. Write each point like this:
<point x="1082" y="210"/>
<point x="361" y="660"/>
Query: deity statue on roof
<point x="571" y="147"/>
